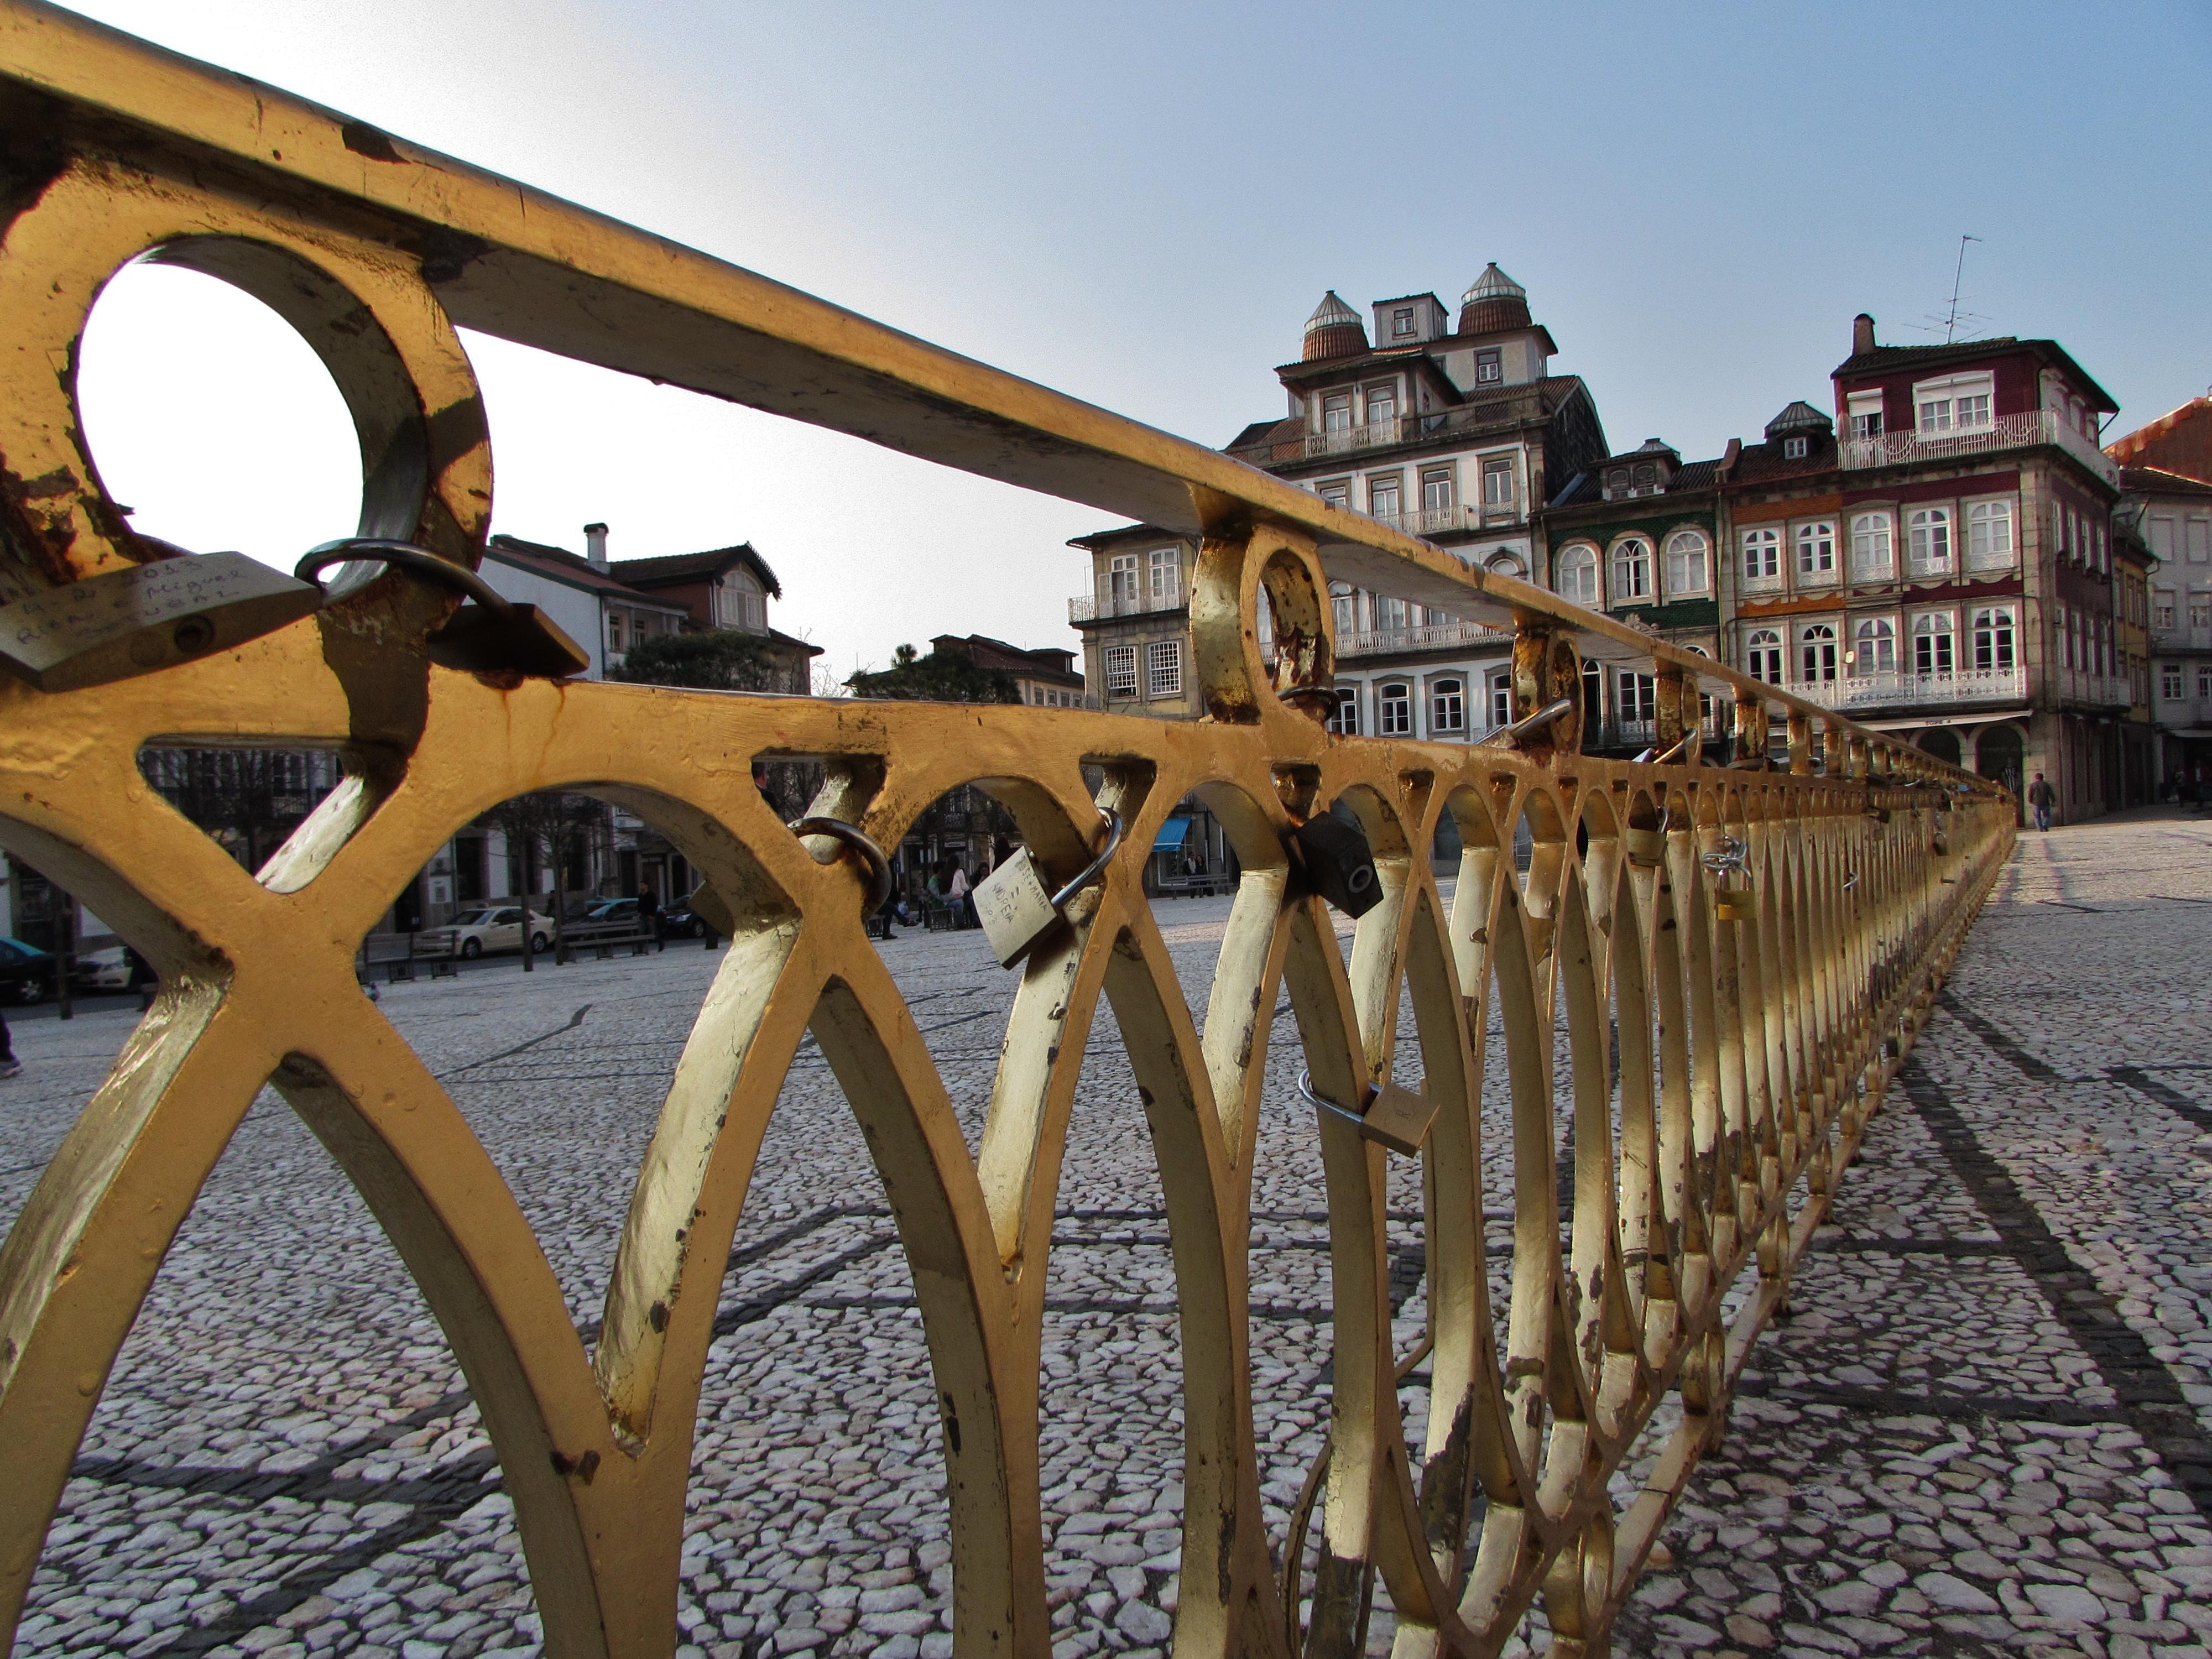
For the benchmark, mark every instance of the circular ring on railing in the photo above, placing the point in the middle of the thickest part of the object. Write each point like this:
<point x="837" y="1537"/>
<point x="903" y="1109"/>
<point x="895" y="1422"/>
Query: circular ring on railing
<point x="879" y="867"/>
<point x="405" y="555"/>
<point x="1318" y="702"/>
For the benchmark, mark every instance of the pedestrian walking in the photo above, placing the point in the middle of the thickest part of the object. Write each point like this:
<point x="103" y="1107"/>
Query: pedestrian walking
<point x="956" y="894"/>
<point x="648" y="914"/>
<point x="2039" y="799"/>
<point x="9" y="1064"/>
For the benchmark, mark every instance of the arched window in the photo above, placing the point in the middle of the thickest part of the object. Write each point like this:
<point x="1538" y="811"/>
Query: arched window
<point x="1816" y="551"/>
<point x="1988" y="536"/>
<point x="1816" y="654"/>
<point x="1874" y="643"/>
<point x="1762" y="556"/>
<point x="1870" y="555"/>
<point x="1394" y="704"/>
<point x="1577" y="574"/>
<point x="1448" y="704"/>
<point x="1507" y="564"/>
<point x="1928" y="545"/>
<point x="1345" y="722"/>
<point x="1932" y="643"/>
<point x="1685" y="564"/>
<point x="1765" y="656"/>
<point x="1631" y="570"/>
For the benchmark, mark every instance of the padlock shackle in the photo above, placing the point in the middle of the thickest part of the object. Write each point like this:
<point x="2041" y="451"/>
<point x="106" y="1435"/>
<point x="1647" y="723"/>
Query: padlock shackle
<point x="879" y="867"/>
<point x="405" y="555"/>
<point x="1521" y="728"/>
<point x="1322" y="1103"/>
<point x="1090" y="872"/>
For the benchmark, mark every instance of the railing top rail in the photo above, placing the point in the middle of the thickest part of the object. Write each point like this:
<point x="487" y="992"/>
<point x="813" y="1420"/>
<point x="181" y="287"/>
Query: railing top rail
<point x="511" y="261"/>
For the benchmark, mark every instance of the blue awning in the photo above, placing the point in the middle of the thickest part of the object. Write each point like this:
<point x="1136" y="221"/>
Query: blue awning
<point x="1173" y="834"/>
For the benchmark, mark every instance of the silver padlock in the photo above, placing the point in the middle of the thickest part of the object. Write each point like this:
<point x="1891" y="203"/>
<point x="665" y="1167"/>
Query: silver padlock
<point x="1390" y="1115"/>
<point x="1016" y="910"/>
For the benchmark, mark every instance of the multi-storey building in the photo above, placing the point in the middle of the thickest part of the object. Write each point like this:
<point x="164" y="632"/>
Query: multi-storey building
<point x="1944" y="568"/>
<point x="1453" y="434"/>
<point x="1045" y="677"/>
<point x="604" y="616"/>
<point x="2173" y="516"/>
<point x="725" y="587"/>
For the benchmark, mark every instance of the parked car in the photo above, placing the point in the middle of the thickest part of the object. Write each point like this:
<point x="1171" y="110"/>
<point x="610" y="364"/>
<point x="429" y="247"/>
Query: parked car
<point x="27" y="973"/>
<point x="474" y="934"/>
<point x="615" y="909"/>
<point x="677" y="921"/>
<point x="107" y="969"/>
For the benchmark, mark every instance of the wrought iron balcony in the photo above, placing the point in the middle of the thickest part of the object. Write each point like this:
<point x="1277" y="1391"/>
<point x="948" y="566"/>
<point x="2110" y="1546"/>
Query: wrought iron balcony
<point x="1429" y="636"/>
<point x="1524" y="405"/>
<point x="1871" y="693"/>
<point x="2038" y="426"/>
<point x="1104" y="607"/>
<point x="2080" y="685"/>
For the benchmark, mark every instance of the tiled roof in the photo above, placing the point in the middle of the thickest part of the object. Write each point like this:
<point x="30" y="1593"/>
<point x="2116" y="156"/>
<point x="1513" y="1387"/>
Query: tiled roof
<point x="1692" y="474"/>
<point x="691" y="567"/>
<point x="2157" y="481"/>
<point x="571" y="568"/>
<point x="1765" y="462"/>
<point x="1261" y="432"/>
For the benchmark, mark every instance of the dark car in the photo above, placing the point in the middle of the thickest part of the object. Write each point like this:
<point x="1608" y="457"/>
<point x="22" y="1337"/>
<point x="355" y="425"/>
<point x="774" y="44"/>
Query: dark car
<point x="27" y="973"/>
<point x="619" y="910"/>
<point x="677" y="921"/>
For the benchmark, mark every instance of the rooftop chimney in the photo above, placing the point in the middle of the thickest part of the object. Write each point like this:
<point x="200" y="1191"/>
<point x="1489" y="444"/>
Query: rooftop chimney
<point x="1862" y="335"/>
<point x="595" y="545"/>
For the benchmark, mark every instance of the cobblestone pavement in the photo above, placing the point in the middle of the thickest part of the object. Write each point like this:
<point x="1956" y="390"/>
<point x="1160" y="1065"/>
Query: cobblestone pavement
<point x="1988" y="1428"/>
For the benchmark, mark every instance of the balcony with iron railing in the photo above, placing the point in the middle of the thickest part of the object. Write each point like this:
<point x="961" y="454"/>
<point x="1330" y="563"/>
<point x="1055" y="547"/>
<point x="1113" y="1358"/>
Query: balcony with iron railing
<point x="2038" y="426"/>
<point x="2082" y="685"/>
<point x="1429" y="636"/>
<point x="1104" y="607"/>
<point x="1321" y="444"/>
<point x="2181" y="637"/>
<point x="1890" y="690"/>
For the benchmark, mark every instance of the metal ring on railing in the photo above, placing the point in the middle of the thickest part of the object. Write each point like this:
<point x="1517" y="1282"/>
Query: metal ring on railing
<point x="1088" y="873"/>
<point x="879" y="867"/>
<point x="1543" y="716"/>
<point x="377" y="549"/>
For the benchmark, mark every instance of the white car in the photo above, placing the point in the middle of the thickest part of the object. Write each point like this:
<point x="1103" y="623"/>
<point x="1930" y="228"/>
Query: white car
<point x="477" y="933"/>
<point x="103" y="971"/>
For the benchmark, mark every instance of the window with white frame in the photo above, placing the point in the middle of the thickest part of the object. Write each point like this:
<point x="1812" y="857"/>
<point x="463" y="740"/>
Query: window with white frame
<point x="1393" y="708"/>
<point x="2204" y="679"/>
<point x="1383" y="494"/>
<point x="2162" y="609"/>
<point x="1816" y="551"/>
<point x="1793" y="449"/>
<point x="1638" y="696"/>
<point x="1864" y="414"/>
<point x="1874" y="646"/>
<point x="1337" y="492"/>
<point x="1382" y="403"/>
<point x="1577" y="574"/>
<point x="1122" y="574"/>
<point x="1763" y="656"/>
<point x="1392" y="616"/>
<point x="1501" y="700"/>
<point x="2200" y="610"/>
<point x="1928" y="541"/>
<point x="1164" y="659"/>
<point x="1345" y="721"/>
<point x="1402" y="323"/>
<point x="1686" y="563"/>
<point x="1870" y="547"/>
<point x="2200" y="539"/>
<point x="1498" y="491"/>
<point x="1167" y="576"/>
<point x="1958" y="404"/>
<point x="1632" y="571"/>
<point x="1344" y="601"/>
<point x="1816" y="654"/>
<point x="2169" y="681"/>
<point x="1436" y="489"/>
<point x="1448" y="704"/>
<point x="1336" y="412"/>
<point x="1121" y="671"/>
<point x="1489" y="365"/>
<point x="1506" y="564"/>
<point x="1988" y="536"/>
<point x="1992" y="632"/>
<point x="1762" y="556"/>
<point x="614" y="630"/>
<point x="1932" y="643"/>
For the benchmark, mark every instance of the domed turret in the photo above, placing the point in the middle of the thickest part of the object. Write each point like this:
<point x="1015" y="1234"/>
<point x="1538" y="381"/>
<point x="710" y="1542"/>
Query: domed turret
<point x="1333" y="331"/>
<point x="1496" y="302"/>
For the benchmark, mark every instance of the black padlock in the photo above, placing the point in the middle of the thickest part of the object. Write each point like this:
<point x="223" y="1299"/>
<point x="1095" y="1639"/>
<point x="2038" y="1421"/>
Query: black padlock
<point x="1337" y="863"/>
<point x="492" y="635"/>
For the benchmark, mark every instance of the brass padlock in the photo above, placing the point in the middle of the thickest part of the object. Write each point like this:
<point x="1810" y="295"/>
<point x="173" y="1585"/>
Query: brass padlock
<point x="1731" y="901"/>
<point x="1390" y="1116"/>
<point x="153" y="616"/>
<point x="1337" y="863"/>
<point x="1016" y="912"/>
<point x="493" y="635"/>
<point x="1646" y="849"/>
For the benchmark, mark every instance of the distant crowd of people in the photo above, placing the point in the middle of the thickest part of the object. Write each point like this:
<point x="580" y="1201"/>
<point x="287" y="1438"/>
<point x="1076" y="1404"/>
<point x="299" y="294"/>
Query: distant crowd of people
<point x="945" y="893"/>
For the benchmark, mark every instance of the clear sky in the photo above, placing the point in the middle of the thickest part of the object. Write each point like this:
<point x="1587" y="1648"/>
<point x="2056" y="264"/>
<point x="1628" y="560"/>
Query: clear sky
<point x="1139" y="204"/>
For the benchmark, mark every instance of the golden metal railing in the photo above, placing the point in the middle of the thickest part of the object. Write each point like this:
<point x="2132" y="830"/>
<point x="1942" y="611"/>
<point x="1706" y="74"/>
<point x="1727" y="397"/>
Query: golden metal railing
<point x="1756" y="943"/>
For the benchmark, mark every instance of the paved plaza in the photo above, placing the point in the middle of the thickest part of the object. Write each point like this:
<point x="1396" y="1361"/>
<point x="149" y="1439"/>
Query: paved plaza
<point x="1987" y="1429"/>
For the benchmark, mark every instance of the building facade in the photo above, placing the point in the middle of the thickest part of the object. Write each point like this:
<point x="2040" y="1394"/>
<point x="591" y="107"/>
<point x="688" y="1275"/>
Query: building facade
<point x="2173" y="515"/>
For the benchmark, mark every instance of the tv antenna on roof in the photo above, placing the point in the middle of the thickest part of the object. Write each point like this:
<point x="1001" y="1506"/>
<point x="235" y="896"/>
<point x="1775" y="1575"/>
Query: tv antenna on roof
<point x="1954" y="318"/>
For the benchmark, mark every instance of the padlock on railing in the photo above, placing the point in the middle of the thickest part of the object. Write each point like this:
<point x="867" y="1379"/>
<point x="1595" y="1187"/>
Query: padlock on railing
<point x="1337" y="863"/>
<point x="1388" y="1115"/>
<point x="1733" y="900"/>
<point x="151" y="617"/>
<point x="492" y="635"/>
<point x="1017" y="914"/>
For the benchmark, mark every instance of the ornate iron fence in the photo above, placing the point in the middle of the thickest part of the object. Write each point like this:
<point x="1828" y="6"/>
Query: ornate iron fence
<point x="1737" y="953"/>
